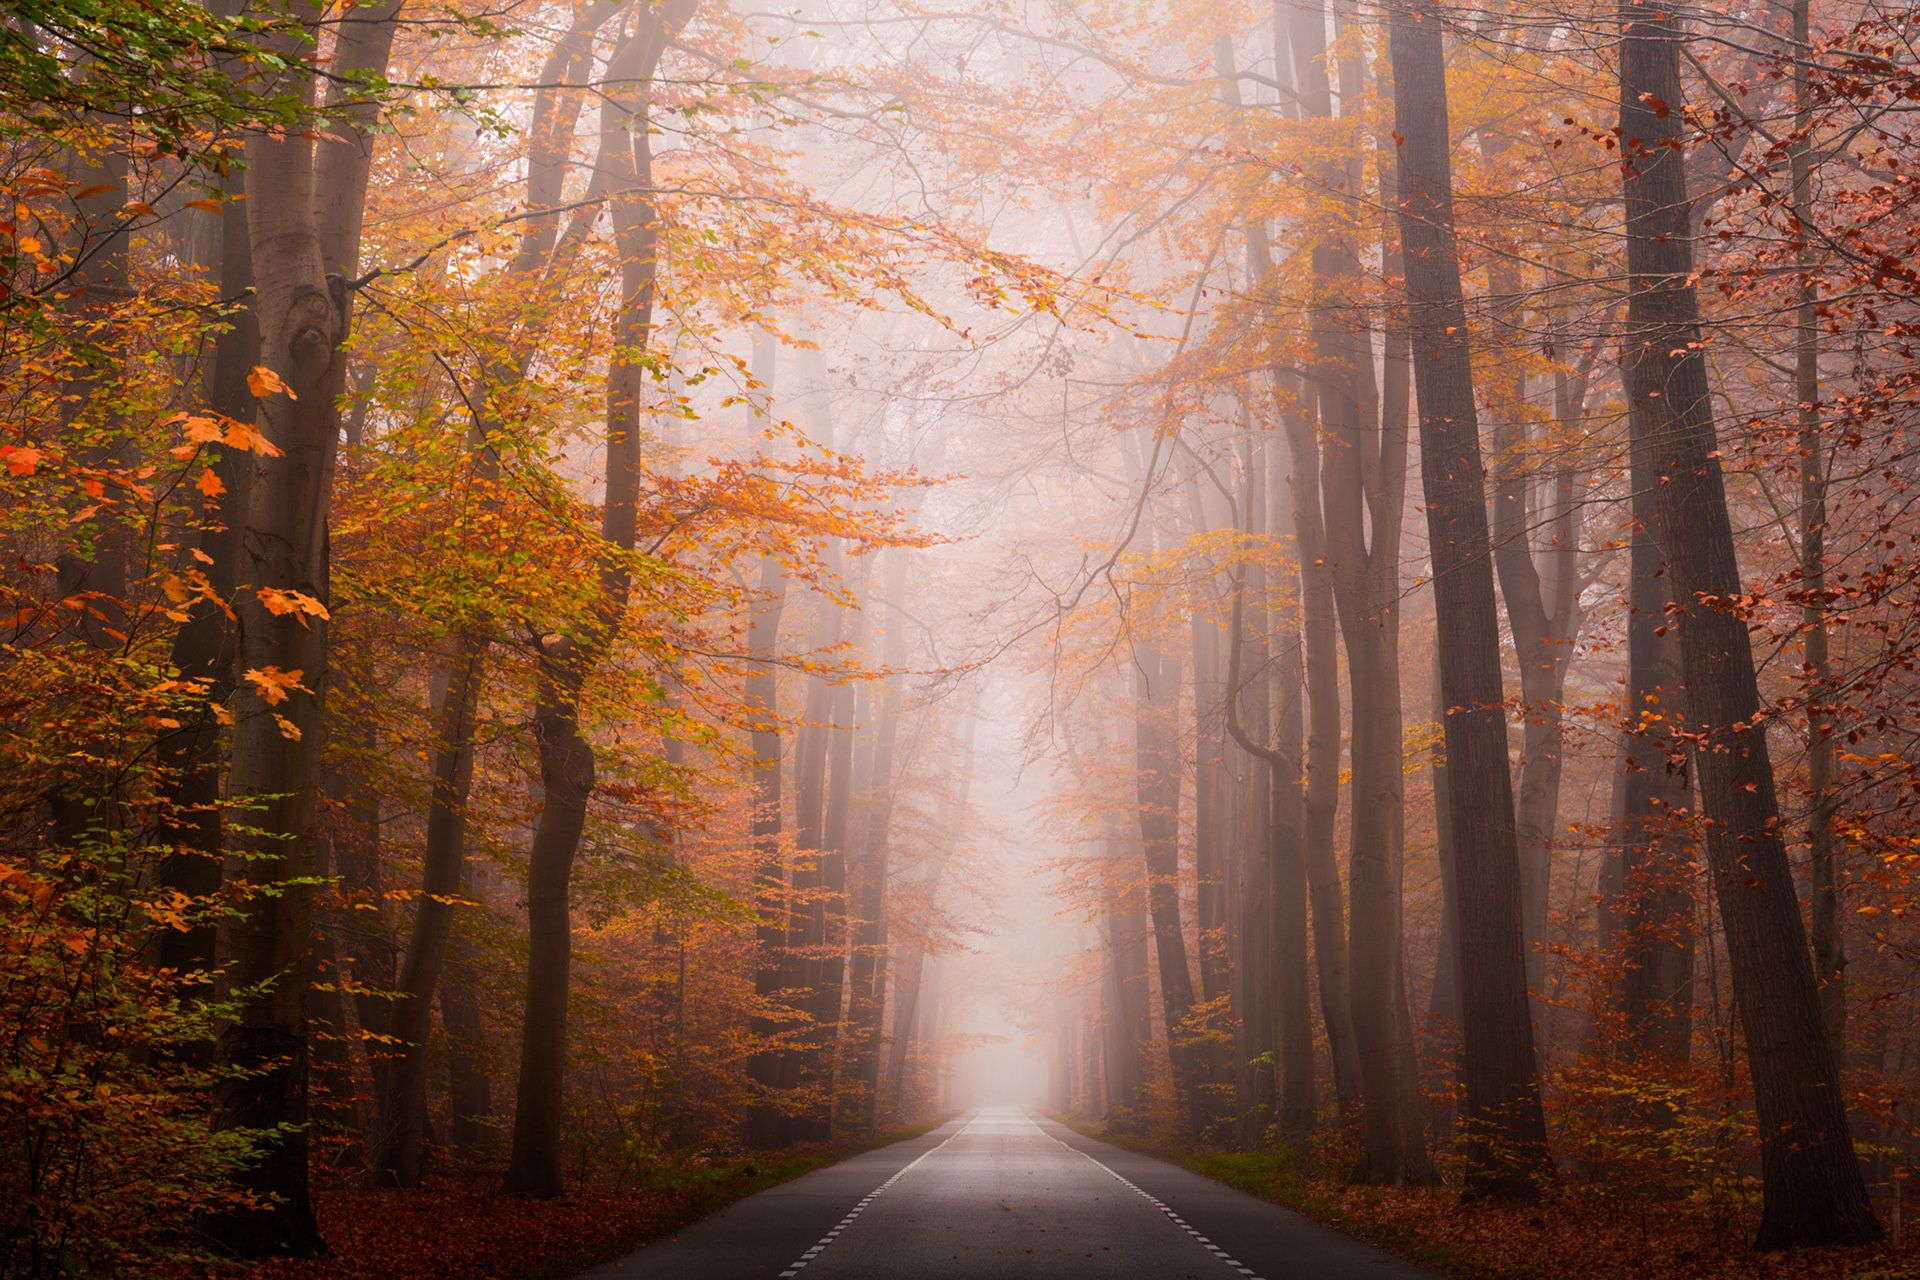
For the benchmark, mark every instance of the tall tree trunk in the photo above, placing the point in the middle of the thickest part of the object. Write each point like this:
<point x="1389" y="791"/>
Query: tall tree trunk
<point x="1318" y="625"/>
<point x="1823" y="851"/>
<point x="397" y="1156"/>
<point x="469" y="1084"/>
<point x="907" y="1011"/>
<point x="1811" y="1188"/>
<point x="767" y="1126"/>
<point x="814" y="961"/>
<point x="868" y="979"/>
<point x="830" y="986"/>
<point x="1320" y="649"/>
<point x="1363" y="481"/>
<point x="1506" y="1139"/>
<point x="563" y="663"/>
<point x="1273" y="1008"/>
<point x="1444" y="1006"/>
<point x="1210" y="859"/>
<point x="1257" y="962"/>
<point x="204" y="646"/>
<point x="1293" y="1004"/>
<point x="1277" y="1004"/>
<point x="1156" y="693"/>
<point x="262" y="1053"/>
<point x="1647" y="916"/>
<point x="1129" y="1017"/>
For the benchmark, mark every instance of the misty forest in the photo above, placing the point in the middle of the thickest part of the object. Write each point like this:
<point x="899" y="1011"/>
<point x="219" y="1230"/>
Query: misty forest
<point x="1139" y="638"/>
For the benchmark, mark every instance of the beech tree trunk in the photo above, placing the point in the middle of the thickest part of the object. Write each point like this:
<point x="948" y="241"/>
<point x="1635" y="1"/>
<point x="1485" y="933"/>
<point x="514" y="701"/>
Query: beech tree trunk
<point x="868" y="978"/>
<point x="907" y="1012"/>
<point x="1506" y="1135"/>
<point x="1129" y="1015"/>
<point x="262" y="1054"/>
<point x="1363" y="481"/>
<point x="564" y="660"/>
<point x="397" y="1155"/>
<point x="204" y="646"/>
<point x="815" y="958"/>
<point x="1812" y="1192"/>
<point x="1647" y="915"/>
<point x="469" y="1079"/>
<point x="1257" y="961"/>
<point x="1443" y="1009"/>
<point x="1156" y="762"/>
<point x="767" y="1127"/>
<point x="1829" y="910"/>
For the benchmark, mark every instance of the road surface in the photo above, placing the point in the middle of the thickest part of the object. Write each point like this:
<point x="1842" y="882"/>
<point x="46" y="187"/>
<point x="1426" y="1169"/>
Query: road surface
<point x="1005" y="1195"/>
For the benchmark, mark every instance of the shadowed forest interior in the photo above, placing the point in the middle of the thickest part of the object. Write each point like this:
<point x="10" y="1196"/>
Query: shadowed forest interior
<point x="604" y="602"/>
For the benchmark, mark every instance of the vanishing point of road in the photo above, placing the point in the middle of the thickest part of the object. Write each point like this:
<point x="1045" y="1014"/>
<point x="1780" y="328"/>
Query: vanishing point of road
<point x="1004" y="1195"/>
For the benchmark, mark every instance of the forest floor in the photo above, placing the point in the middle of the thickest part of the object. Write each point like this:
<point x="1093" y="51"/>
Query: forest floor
<point x="457" y="1226"/>
<point x="1562" y="1238"/>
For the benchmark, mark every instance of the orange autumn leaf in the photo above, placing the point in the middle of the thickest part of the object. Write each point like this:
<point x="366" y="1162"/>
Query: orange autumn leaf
<point x="244" y="435"/>
<point x="199" y="429"/>
<point x="263" y="382"/>
<point x="274" y="685"/>
<point x="280" y="603"/>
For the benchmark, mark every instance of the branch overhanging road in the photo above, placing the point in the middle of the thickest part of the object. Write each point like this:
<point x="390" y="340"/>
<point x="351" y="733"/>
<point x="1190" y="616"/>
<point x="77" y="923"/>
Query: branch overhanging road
<point x="1005" y="1195"/>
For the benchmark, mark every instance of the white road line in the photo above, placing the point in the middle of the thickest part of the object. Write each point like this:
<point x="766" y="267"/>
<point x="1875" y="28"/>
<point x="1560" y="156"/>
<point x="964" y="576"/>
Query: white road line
<point x="1175" y="1218"/>
<point x="800" y="1264"/>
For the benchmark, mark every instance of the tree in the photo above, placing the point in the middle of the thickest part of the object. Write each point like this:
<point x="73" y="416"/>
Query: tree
<point x="565" y="658"/>
<point x="1506" y="1127"/>
<point x="1812" y="1191"/>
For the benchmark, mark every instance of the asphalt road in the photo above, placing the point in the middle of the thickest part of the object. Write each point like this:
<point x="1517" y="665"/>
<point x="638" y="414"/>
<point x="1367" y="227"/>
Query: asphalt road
<point x="1005" y="1195"/>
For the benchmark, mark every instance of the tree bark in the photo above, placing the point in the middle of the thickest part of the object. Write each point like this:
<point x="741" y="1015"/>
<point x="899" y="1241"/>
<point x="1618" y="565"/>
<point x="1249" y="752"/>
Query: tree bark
<point x="397" y="1155"/>
<point x="1506" y="1137"/>
<point x="1129" y="1016"/>
<point x="563" y="663"/>
<point x="1158" y="790"/>
<point x="868" y="979"/>
<point x="262" y="1054"/>
<point x="1811" y="1187"/>
<point x="204" y="646"/>
<point x="907" y="1013"/>
<point x="1363" y="480"/>
<point x="767" y="1126"/>
<point x="469" y="1083"/>
<point x="1647" y="915"/>
<point x="1823" y="851"/>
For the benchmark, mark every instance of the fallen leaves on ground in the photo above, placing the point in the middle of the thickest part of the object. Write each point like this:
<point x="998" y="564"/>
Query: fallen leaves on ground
<point x="1561" y="1238"/>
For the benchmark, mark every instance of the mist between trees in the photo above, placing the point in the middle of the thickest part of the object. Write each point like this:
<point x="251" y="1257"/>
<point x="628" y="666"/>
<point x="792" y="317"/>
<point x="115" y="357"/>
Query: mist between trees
<point x="594" y="590"/>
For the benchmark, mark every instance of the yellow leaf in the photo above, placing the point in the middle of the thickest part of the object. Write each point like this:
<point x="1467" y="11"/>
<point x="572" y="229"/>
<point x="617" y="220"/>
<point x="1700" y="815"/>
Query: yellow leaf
<point x="210" y="206"/>
<point x="288" y="729"/>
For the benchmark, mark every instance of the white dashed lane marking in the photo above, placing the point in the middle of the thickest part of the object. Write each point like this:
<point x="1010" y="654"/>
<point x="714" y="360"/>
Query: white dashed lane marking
<point x="800" y="1264"/>
<point x="1163" y="1207"/>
